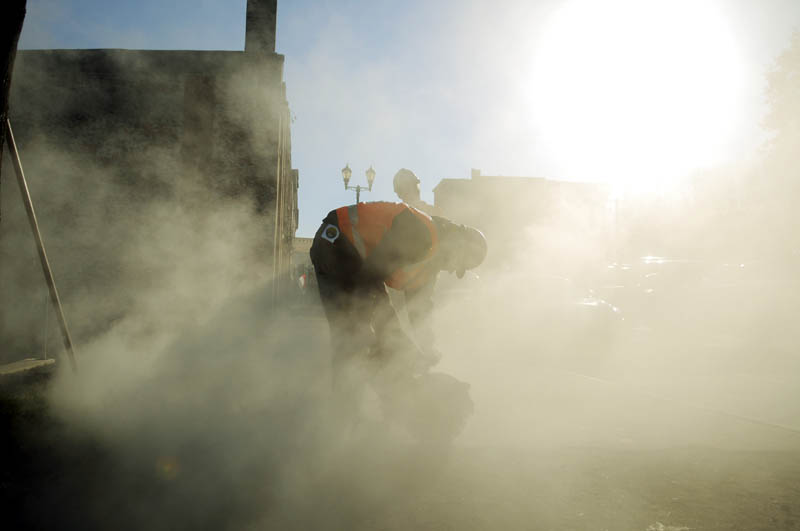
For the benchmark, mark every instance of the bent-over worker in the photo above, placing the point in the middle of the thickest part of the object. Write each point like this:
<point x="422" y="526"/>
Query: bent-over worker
<point x="359" y="250"/>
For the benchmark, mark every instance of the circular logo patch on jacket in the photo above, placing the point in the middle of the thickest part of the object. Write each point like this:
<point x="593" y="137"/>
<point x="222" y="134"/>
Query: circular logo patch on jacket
<point x="330" y="233"/>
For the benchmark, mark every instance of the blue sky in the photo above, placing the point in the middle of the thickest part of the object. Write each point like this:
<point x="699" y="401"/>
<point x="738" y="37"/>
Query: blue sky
<point x="436" y="86"/>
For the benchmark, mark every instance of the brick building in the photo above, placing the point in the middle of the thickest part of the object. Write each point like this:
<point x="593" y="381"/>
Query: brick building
<point x="106" y="132"/>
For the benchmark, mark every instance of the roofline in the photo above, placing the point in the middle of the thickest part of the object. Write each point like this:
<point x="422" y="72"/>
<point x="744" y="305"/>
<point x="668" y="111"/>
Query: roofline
<point x="483" y="178"/>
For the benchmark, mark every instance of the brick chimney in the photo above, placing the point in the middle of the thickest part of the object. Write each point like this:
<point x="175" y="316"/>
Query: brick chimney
<point x="260" y="26"/>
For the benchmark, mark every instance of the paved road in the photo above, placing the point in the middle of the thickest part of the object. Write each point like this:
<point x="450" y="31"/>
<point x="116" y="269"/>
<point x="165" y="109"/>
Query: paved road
<point x="232" y="434"/>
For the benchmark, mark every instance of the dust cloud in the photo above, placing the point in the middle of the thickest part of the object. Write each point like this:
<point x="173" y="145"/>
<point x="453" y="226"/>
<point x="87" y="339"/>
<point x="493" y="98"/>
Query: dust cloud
<point x="642" y="321"/>
<point x="594" y="339"/>
<point x="197" y="403"/>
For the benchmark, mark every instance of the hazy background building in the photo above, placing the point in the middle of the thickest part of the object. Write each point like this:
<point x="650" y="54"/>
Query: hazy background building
<point x="519" y="213"/>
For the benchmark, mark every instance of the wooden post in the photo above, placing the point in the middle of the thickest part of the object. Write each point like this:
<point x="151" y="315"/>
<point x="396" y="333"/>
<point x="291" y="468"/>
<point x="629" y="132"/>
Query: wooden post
<point x="48" y="274"/>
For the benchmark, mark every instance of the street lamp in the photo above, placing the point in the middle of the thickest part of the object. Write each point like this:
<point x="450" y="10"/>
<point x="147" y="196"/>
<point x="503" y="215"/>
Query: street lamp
<point x="347" y="173"/>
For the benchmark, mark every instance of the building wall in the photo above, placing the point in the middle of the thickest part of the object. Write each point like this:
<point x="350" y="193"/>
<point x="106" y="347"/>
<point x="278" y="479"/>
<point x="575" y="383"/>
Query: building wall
<point x="518" y="213"/>
<point x="300" y="255"/>
<point x="106" y="134"/>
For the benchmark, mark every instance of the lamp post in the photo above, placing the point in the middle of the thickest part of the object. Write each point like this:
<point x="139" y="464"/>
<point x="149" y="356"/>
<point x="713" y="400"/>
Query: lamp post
<point x="347" y="172"/>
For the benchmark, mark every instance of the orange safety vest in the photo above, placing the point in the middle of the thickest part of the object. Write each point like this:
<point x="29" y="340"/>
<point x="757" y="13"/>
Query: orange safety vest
<point x="365" y="224"/>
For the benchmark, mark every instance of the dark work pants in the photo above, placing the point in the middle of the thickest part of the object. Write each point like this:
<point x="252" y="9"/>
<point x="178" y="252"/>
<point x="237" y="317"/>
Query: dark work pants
<point x="364" y="327"/>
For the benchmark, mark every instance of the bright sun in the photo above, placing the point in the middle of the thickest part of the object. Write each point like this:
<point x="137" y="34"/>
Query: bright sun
<point x="635" y="92"/>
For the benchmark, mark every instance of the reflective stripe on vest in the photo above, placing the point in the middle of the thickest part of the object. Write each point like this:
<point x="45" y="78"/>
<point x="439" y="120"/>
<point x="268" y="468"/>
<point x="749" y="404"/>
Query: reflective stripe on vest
<point x="365" y="224"/>
<point x="358" y="241"/>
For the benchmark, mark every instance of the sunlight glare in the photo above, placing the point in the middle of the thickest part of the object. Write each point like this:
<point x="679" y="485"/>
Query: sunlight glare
<point x="635" y="92"/>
